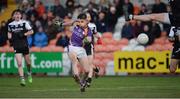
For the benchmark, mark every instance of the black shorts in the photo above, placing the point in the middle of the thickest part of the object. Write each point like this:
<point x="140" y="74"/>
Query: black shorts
<point x="176" y="53"/>
<point x="24" y="50"/>
<point x="89" y="49"/>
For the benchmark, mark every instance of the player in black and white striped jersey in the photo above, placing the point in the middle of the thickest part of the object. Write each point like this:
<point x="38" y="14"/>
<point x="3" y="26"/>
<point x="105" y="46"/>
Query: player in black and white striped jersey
<point x="18" y="30"/>
<point x="89" y="47"/>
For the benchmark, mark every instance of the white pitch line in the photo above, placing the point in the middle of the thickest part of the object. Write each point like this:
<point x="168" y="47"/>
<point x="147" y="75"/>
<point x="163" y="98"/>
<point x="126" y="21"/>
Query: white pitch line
<point x="117" y="88"/>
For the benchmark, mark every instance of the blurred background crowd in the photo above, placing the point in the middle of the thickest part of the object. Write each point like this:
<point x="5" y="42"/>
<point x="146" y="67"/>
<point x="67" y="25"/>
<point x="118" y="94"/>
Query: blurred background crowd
<point x="108" y="15"/>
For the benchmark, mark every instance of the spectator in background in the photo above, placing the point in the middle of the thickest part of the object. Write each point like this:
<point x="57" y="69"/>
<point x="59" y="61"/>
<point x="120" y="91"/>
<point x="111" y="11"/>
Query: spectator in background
<point x="128" y="7"/>
<point x="24" y="16"/>
<point x="101" y="23"/>
<point x="58" y="9"/>
<point x="70" y="5"/>
<point x="32" y="11"/>
<point x="155" y="30"/>
<point x="40" y="8"/>
<point x="44" y="20"/>
<point x="111" y="19"/>
<point x="93" y="3"/>
<point x="127" y="31"/>
<point x="143" y="9"/>
<point x="78" y="9"/>
<point x="103" y="5"/>
<point x="136" y="28"/>
<point x="51" y="31"/>
<point x="92" y="11"/>
<point x="32" y="23"/>
<point x="3" y="4"/>
<point x="40" y="38"/>
<point x="63" y="40"/>
<point x="159" y="7"/>
<point x="23" y="5"/>
<point x="3" y="34"/>
<point x="38" y="24"/>
<point x="119" y="7"/>
<point x="146" y="30"/>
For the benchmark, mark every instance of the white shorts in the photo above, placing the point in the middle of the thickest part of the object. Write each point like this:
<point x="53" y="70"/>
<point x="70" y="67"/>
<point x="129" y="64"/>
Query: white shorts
<point x="80" y="51"/>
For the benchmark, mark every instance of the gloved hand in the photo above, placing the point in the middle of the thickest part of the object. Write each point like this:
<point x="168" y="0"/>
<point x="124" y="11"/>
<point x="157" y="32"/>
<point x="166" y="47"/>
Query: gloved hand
<point x="58" y="23"/>
<point x="128" y="17"/>
<point x="85" y="41"/>
<point x="171" y="39"/>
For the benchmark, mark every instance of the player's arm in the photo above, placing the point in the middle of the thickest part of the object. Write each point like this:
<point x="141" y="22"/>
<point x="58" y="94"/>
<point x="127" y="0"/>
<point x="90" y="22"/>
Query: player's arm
<point x="171" y="37"/>
<point x="29" y="28"/>
<point x="65" y="23"/>
<point x="161" y="17"/>
<point x="30" y="32"/>
<point x="9" y="35"/>
<point x="69" y="23"/>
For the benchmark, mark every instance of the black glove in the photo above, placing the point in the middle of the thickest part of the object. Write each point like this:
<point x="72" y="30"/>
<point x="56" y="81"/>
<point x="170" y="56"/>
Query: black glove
<point x="58" y="23"/>
<point x="129" y="17"/>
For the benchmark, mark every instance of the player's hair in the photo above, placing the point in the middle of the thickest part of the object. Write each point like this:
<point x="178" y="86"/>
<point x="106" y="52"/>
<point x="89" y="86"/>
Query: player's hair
<point x="17" y="10"/>
<point x="82" y="16"/>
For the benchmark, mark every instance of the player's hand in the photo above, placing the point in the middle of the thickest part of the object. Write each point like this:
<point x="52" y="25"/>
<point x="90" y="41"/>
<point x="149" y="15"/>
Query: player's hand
<point x="86" y="41"/>
<point x="58" y="23"/>
<point x="129" y="17"/>
<point x="171" y="39"/>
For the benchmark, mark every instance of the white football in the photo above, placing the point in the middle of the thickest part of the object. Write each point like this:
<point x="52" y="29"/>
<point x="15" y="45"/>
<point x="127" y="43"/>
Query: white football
<point x="143" y="38"/>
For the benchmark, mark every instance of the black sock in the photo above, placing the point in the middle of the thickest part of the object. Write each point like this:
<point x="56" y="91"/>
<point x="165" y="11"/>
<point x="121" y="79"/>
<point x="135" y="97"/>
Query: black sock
<point x="89" y="80"/>
<point x="76" y="78"/>
<point x="96" y="69"/>
<point x="29" y="69"/>
<point x="85" y="76"/>
<point x="21" y="77"/>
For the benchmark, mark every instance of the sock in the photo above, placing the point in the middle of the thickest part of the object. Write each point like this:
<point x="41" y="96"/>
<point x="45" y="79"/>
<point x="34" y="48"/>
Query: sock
<point x="85" y="76"/>
<point x="21" y="77"/>
<point x="89" y="80"/>
<point x="77" y="79"/>
<point x="29" y="70"/>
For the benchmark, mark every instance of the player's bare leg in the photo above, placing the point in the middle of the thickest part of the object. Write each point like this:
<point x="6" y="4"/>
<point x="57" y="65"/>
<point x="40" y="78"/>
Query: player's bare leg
<point x="28" y="64"/>
<point x="20" y="68"/>
<point x="88" y="70"/>
<point x="173" y="65"/>
<point x="73" y="58"/>
<point x="95" y="70"/>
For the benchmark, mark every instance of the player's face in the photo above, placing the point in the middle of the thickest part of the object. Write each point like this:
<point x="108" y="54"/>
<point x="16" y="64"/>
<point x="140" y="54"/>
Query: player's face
<point x="88" y="17"/>
<point x="17" y="16"/>
<point x="83" y="23"/>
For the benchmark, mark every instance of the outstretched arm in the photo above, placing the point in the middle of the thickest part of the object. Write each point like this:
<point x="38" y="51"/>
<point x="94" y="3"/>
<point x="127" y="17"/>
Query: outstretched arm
<point x="63" y="23"/>
<point x="161" y="17"/>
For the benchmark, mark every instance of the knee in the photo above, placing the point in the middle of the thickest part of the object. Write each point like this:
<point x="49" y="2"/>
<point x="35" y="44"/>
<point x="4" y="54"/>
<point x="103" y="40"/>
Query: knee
<point x="172" y="69"/>
<point x="19" y="64"/>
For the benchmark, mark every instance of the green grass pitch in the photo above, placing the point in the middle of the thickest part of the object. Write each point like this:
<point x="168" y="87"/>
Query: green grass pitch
<point x="104" y="87"/>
